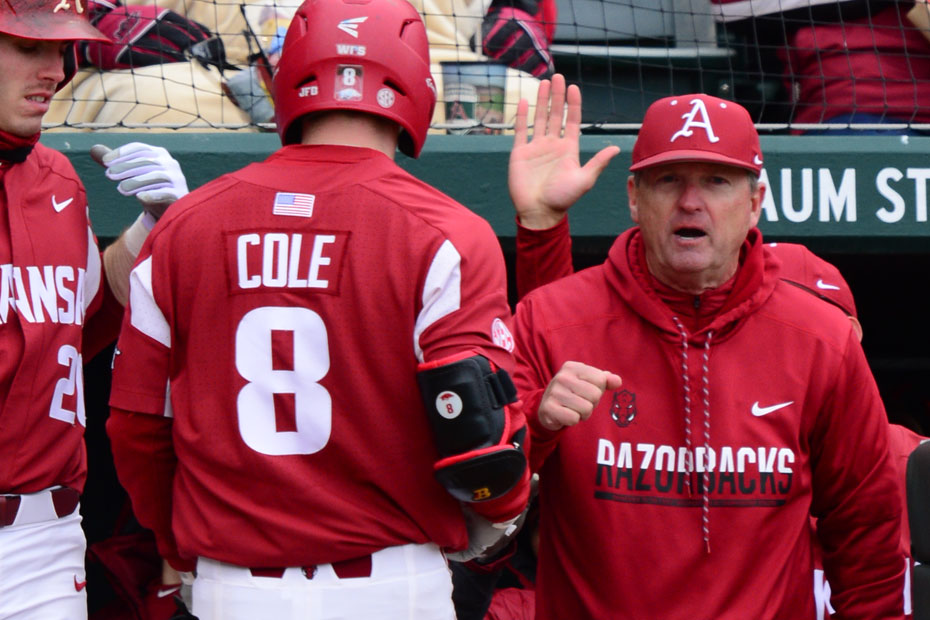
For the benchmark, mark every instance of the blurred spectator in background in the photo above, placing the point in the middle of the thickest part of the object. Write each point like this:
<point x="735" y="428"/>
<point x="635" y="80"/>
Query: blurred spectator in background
<point x="163" y="69"/>
<point x="859" y="62"/>
<point x="473" y="86"/>
<point x="193" y="63"/>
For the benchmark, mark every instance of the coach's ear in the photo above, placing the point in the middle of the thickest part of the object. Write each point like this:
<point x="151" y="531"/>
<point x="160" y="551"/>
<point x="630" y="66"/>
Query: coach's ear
<point x="756" y="198"/>
<point x="631" y="196"/>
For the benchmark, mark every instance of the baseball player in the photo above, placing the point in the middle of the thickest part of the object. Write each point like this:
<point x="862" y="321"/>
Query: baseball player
<point x="331" y="337"/>
<point x="802" y="268"/>
<point x="60" y="302"/>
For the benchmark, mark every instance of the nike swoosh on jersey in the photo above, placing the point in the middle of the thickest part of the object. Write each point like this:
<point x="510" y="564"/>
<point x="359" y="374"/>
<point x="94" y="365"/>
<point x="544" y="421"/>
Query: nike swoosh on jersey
<point x="60" y="206"/>
<point x="827" y="287"/>
<point x="79" y="585"/>
<point x="761" y="411"/>
<point x="163" y="592"/>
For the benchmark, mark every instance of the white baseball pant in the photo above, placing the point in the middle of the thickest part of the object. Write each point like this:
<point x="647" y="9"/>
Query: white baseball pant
<point x="42" y="562"/>
<point x="408" y="582"/>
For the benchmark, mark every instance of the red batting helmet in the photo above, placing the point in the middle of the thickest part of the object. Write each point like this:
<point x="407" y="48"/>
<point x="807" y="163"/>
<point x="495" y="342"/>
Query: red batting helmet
<point x="364" y="55"/>
<point x="50" y="20"/>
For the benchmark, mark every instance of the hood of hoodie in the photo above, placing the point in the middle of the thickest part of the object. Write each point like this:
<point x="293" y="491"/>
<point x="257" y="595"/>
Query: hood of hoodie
<point x="14" y="149"/>
<point x="720" y="309"/>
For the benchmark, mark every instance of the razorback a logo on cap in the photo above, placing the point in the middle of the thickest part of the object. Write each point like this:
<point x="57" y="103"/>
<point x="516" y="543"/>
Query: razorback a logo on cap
<point x="702" y="122"/>
<point x="691" y="120"/>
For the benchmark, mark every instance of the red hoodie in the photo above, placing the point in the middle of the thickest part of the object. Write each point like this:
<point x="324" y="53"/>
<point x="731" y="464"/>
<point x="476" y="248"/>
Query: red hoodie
<point x="781" y="415"/>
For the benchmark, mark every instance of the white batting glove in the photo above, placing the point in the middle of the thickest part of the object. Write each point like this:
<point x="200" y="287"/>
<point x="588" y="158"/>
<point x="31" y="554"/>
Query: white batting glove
<point x="486" y="539"/>
<point x="147" y="172"/>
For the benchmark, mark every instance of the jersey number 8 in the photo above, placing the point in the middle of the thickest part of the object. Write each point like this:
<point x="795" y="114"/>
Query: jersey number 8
<point x="254" y="361"/>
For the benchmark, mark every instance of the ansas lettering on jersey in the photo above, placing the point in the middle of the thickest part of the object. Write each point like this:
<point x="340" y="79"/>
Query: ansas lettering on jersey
<point x="288" y="260"/>
<point x="662" y="469"/>
<point x="37" y="294"/>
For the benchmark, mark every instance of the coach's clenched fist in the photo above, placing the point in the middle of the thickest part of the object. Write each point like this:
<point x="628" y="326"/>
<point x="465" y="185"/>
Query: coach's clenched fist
<point x="573" y="394"/>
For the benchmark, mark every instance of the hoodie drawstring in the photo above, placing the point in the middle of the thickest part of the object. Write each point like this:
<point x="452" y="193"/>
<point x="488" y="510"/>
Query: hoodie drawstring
<point x="705" y="395"/>
<point x="705" y="390"/>
<point x="687" y="384"/>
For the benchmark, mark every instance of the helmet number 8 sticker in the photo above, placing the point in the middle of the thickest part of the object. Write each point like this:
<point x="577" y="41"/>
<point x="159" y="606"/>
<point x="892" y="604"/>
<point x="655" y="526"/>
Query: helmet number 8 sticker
<point x="349" y="83"/>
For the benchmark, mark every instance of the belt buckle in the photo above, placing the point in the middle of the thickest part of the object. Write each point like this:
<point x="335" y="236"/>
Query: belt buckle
<point x="345" y="569"/>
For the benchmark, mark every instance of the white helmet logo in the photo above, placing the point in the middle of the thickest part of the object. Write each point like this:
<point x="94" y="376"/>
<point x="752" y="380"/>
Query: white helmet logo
<point x="385" y="98"/>
<point x="350" y="26"/>
<point x="691" y="120"/>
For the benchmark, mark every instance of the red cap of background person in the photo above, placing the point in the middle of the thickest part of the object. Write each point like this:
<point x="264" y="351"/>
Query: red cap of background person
<point x="802" y="267"/>
<point x="697" y="127"/>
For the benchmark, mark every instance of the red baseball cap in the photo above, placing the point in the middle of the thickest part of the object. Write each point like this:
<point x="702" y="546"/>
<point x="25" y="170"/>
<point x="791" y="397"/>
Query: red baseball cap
<point x="697" y="127"/>
<point x="804" y="269"/>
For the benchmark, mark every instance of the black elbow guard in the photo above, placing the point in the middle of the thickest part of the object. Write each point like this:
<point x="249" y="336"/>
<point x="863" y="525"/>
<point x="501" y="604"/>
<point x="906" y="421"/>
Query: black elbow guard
<point x="481" y="456"/>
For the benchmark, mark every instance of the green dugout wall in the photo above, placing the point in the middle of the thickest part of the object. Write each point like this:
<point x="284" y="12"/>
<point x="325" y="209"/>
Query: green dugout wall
<point x="860" y="202"/>
<point x="841" y="193"/>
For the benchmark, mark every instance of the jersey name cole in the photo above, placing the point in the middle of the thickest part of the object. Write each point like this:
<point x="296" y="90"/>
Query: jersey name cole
<point x="275" y="259"/>
<point x="733" y="471"/>
<point x="38" y="294"/>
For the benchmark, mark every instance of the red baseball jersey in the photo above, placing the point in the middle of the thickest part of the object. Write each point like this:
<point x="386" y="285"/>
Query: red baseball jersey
<point x="51" y="282"/>
<point x="286" y="308"/>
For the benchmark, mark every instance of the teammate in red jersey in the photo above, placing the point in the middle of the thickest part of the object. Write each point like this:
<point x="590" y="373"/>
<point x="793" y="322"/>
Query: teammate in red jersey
<point x="746" y="404"/>
<point x="806" y="270"/>
<point x="60" y="304"/>
<point x="331" y="337"/>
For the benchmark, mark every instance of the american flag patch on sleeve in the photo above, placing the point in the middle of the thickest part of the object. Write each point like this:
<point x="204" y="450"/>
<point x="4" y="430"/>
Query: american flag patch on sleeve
<point x="296" y="205"/>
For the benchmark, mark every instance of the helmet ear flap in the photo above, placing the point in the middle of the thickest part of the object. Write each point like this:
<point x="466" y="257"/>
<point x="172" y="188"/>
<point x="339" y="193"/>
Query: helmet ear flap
<point x="413" y="33"/>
